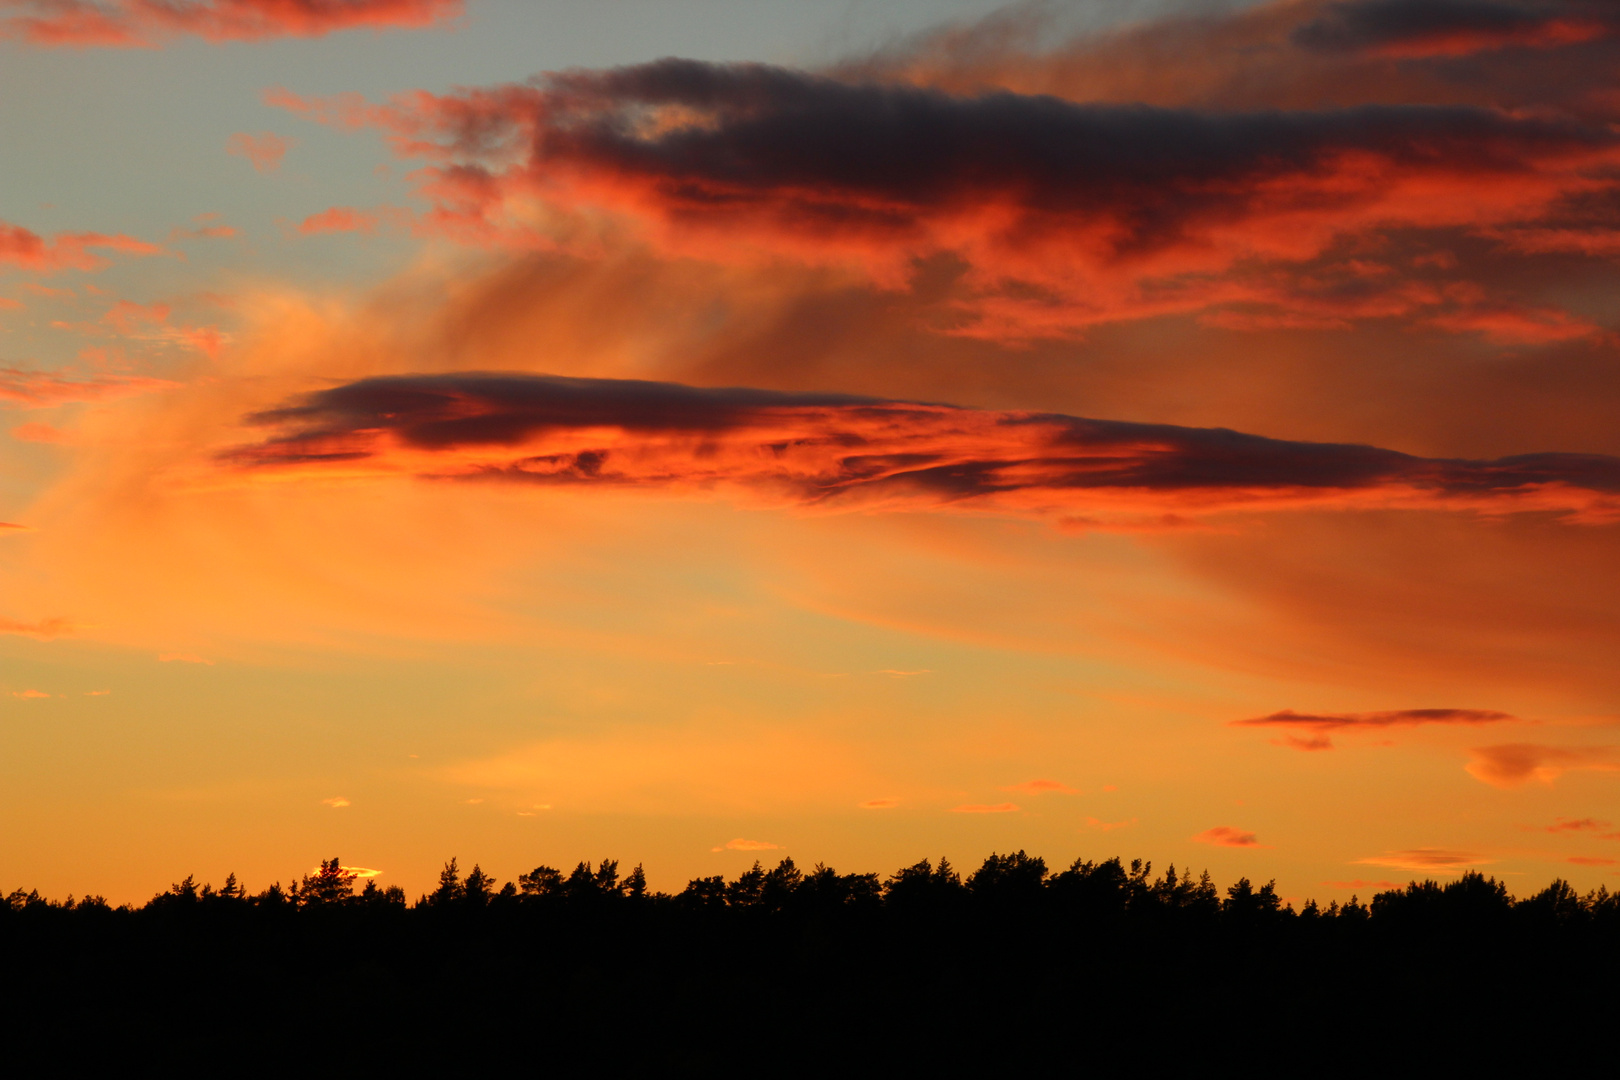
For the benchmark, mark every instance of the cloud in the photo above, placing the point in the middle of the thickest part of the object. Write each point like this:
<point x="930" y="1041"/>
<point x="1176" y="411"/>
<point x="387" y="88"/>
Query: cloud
<point x="838" y="451"/>
<point x="360" y="871"/>
<point x="339" y="219"/>
<point x="182" y="658"/>
<point x="147" y="23"/>
<point x="45" y="389"/>
<point x="1109" y="826"/>
<point x="29" y="694"/>
<point x="264" y="150"/>
<point x="1227" y="836"/>
<point x="337" y="802"/>
<point x="27" y="250"/>
<point x="1591" y="860"/>
<point x="1424" y="859"/>
<point x="740" y="844"/>
<point x="879" y="804"/>
<point x="1037" y="787"/>
<point x="38" y="432"/>
<point x="1064" y="214"/>
<point x="97" y="693"/>
<point x="1512" y="765"/>
<point x="1318" y="724"/>
<point x="44" y="629"/>
<point x="1563" y="825"/>
<point x="1450" y="28"/>
<point x="985" y="808"/>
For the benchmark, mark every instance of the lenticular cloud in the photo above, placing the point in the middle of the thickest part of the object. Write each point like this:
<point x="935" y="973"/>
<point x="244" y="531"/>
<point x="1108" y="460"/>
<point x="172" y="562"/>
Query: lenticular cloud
<point x="834" y="450"/>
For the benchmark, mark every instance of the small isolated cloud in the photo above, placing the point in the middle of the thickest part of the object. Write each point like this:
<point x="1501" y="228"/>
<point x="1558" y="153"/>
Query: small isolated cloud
<point x="1037" y="787"/>
<point x="339" y="219"/>
<point x="182" y="658"/>
<point x="740" y="844"/>
<point x="97" y="693"/>
<point x="1316" y="725"/>
<point x="44" y="629"/>
<point x="1513" y="765"/>
<point x="1109" y="826"/>
<point x="336" y="802"/>
<point x="1590" y="860"/>
<point x="264" y="150"/>
<point x="1226" y="836"/>
<point x="29" y="694"/>
<point x="1424" y="859"/>
<point x="1563" y="825"/>
<point x="985" y="808"/>
<point x="1358" y="883"/>
<point x="879" y="804"/>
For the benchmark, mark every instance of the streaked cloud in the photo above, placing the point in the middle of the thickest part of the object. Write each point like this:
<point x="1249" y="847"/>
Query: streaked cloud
<point x="44" y="629"/>
<point x="740" y="844"/>
<point x="1318" y="724"/>
<point x="29" y="694"/>
<point x="82" y="24"/>
<point x="1425" y="859"/>
<point x="45" y="389"/>
<point x="834" y="450"/>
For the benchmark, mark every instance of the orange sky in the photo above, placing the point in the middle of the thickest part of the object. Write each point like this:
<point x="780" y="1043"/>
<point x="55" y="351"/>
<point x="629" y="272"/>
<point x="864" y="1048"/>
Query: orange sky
<point x="1183" y="432"/>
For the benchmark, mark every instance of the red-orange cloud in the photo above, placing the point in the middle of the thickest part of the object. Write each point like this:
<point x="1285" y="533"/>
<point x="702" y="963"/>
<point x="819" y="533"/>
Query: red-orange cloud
<point x="134" y="23"/>
<point x="1318" y="724"/>
<point x="1063" y="214"/>
<point x="1452" y="28"/>
<point x="1513" y="765"/>
<point x="837" y="451"/>
<point x="1227" y="836"/>
<point x="44" y="629"/>
<point x="339" y="219"/>
<point x="43" y="389"/>
<point x="27" y="250"/>
<point x="1425" y="859"/>
<point x="263" y="151"/>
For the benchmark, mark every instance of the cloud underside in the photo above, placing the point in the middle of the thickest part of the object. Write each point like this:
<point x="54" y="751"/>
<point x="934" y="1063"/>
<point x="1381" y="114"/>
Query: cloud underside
<point x="843" y="452"/>
<point x="1227" y="836"/>
<point x="1061" y="213"/>
<point x="1512" y="765"/>
<point x="145" y="23"/>
<point x="1425" y="859"/>
<point x="1314" y="727"/>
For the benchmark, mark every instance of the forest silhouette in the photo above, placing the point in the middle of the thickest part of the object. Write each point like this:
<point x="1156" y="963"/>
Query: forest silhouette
<point x="926" y="965"/>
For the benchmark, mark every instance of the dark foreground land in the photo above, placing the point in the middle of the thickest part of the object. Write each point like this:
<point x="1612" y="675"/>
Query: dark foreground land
<point x="1097" y="968"/>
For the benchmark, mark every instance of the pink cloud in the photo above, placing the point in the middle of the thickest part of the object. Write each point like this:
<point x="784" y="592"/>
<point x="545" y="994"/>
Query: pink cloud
<point x="1512" y="765"/>
<point x="1227" y="836"/>
<point x="146" y="23"/>
<point x="1037" y="787"/>
<point x="985" y="808"/>
<point x="264" y="150"/>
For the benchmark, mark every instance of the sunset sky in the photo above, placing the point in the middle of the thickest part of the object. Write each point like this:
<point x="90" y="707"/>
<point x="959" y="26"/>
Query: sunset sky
<point x="693" y="431"/>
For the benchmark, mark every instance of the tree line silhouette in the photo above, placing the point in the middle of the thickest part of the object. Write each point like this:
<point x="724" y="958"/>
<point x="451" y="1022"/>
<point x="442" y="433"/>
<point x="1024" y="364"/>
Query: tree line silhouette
<point x="1104" y="949"/>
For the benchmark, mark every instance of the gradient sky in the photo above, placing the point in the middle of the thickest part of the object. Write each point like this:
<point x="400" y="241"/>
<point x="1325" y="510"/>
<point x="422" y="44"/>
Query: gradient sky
<point x="692" y="432"/>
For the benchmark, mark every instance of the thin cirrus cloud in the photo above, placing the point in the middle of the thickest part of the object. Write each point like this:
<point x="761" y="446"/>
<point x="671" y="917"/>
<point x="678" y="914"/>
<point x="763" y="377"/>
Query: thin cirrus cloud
<point x="45" y="389"/>
<point x="147" y="23"/>
<point x="1064" y="214"/>
<point x="1227" y="836"/>
<point x="1513" y="765"/>
<point x="27" y="250"/>
<point x="1427" y="858"/>
<point x="1317" y="725"/>
<point x="1041" y="787"/>
<point x="741" y="844"/>
<point x="836" y="451"/>
<point x="263" y="151"/>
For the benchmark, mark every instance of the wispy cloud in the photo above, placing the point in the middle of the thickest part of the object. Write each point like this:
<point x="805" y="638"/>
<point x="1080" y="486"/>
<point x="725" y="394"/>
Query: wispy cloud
<point x="29" y="694"/>
<point x="985" y="808"/>
<point x="1512" y="765"/>
<point x="1317" y="725"/>
<point x="44" y="389"/>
